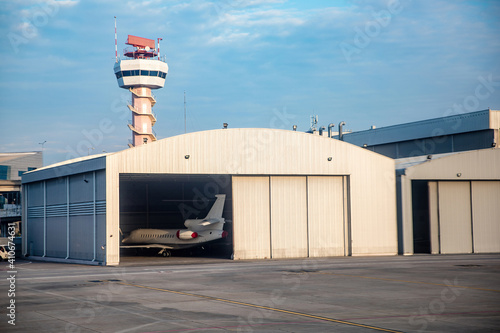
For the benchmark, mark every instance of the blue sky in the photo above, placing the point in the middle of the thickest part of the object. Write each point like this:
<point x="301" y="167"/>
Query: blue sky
<point x="254" y="63"/>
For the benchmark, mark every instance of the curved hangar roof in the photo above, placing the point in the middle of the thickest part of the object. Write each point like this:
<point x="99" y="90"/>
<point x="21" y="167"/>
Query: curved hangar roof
<point x="250" y="151"/>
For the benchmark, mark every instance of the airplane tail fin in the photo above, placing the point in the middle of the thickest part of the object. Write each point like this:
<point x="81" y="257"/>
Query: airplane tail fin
<point x="217" y="208"/>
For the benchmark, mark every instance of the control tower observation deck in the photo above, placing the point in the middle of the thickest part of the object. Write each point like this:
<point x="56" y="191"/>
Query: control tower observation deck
<point x="140" y="71"/>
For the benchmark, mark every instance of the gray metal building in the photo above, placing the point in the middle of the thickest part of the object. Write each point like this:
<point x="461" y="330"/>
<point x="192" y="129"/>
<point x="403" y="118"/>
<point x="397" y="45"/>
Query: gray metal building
<point x="288" y="194"/>
<point x="462" y="132"/>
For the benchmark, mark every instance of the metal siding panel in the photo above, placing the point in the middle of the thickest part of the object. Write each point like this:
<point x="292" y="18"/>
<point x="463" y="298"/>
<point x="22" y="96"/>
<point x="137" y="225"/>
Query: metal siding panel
<point x="469" y="122"/>
<point x="251" y="227"/>
<point x="373" y="209"/>
<point x="473" y="140"/>
<point x="486" y="216"/>
<point x="71" y="167"/>
<point x="111" y="241"/>
<point x="325" y="216"/>
<point x="288" y="217"/>
<point x="81" y="237"/>
<point x="56" y="237"/>
<point x="482" y="164"/>
<point x="495" y="119"/>
<point x="36" y="194"/>
<point x="81" y="188"/>
<point x="434" y="217"/>
<point x="35" y="237"/>
<point x="100" y="180"/>
<point x="56" y="191"/>
<point x="101" y="237"/>
<point x="455" y="217"/>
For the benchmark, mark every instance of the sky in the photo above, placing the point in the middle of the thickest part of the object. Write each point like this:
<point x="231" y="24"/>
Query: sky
<point x="252" y="64"/>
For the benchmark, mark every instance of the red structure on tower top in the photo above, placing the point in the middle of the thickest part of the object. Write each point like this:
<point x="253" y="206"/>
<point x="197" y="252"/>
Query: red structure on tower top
<point x="143" y="48"/>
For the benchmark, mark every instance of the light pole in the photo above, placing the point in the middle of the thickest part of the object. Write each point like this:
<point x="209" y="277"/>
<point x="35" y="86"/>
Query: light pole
<point x="42" y="143"/>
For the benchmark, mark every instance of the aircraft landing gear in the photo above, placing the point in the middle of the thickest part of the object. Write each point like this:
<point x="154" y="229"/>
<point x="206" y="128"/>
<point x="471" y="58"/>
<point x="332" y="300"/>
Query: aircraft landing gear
<point x="165" y="253"/>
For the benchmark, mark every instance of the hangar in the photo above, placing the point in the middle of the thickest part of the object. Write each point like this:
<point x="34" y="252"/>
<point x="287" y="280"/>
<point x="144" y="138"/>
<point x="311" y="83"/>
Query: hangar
<point x="450" y="203"/>
<point x="288" y="194"/>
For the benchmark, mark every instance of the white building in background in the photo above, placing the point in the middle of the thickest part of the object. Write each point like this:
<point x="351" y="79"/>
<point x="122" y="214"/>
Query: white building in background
<point x="12" y="167"/>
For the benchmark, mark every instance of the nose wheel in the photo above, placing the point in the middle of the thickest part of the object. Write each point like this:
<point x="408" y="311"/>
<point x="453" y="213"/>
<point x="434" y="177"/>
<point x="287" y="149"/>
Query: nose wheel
<point x="165" y="253"/>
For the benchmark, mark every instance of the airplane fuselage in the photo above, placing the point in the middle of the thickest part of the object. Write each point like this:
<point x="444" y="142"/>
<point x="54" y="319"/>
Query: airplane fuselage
<point x="173" y="238"/>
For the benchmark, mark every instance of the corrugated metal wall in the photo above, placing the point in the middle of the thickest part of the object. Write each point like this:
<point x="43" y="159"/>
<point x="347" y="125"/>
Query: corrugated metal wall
<point x="65" y="216"/>
<point x="56" y="237"/>
<point x="289" y="217"/>
<point x="252" y="232"/>
<point x="486" y="216"/>
<point x="434" y="217"/>
<point x="455" y="217"/>
<point x="35" y="243"/>
<point x="464" y="216"/>
<point x="325" y="216"/>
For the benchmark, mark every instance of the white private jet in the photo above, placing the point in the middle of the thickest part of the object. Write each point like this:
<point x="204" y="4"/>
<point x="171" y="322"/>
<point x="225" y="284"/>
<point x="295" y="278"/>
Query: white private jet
<point x="198" y="232"/>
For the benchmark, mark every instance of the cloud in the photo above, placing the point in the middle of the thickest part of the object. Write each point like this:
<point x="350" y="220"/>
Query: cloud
<point x="231" y="37"/>
<point x="250" y="25"/>
<point x="260" y="18"/>
<point x="67" y="3"/>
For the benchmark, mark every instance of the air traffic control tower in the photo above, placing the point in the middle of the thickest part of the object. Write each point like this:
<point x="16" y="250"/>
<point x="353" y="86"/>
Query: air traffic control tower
<point x="140" y="71"/>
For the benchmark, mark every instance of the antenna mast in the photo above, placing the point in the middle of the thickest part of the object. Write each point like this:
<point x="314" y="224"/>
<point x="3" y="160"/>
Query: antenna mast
<point x="184" y="112"/>
<point x="116" y="44"/>
<point x="159" y="39"/>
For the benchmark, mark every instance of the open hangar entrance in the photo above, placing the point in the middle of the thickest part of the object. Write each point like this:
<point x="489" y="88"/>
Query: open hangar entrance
<point x="165" y="201"/>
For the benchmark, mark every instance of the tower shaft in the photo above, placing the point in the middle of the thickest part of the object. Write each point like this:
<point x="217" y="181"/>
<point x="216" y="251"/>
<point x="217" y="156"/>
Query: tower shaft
<point x="143" y="117"/>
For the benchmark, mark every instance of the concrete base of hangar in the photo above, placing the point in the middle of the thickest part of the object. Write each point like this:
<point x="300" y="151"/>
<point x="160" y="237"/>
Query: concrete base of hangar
<point x="165" y="201"/>
<point x="63" y="261"/>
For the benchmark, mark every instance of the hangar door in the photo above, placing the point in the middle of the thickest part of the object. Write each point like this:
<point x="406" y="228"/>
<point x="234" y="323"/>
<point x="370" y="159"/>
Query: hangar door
<point x="464" y="216"/>
<point x="289" y="216"/>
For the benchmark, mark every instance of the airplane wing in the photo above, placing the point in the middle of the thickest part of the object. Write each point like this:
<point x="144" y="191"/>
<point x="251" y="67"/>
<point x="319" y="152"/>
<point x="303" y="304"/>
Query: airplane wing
<point x="148" y="246"/>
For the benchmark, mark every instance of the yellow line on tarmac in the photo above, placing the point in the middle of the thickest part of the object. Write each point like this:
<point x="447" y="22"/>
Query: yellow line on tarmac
<point x="396" y="280"/>
<point x="262" y="307"/>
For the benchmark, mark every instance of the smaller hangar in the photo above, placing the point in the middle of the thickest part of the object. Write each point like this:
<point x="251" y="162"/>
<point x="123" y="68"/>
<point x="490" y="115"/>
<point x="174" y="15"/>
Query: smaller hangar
<point x="288" y="194"/>
<point x="450" y="204"/>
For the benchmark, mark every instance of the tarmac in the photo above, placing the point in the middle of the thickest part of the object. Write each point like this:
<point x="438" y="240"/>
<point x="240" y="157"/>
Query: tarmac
<point x="421" y="293"/>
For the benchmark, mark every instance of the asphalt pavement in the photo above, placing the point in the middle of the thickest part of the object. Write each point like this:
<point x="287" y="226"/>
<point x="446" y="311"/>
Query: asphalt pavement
<point x="424" y="293"/>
